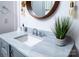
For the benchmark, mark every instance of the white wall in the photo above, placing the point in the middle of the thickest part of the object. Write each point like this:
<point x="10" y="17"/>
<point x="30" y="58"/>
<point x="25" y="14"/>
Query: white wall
<point x="63" y="11"/>
<point x="8" y="20"/>
<point x="32" y="22"/>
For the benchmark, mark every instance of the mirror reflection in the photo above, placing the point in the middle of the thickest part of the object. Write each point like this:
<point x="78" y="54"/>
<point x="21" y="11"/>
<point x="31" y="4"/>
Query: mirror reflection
<point x="41" y="8"/>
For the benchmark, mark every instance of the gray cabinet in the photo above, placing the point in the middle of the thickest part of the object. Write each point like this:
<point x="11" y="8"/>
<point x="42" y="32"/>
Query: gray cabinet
<point x="0" y="46"/>
<point x="16" y="53"/>
<point x="4" y="52"/>
<point x="7" y="50"/>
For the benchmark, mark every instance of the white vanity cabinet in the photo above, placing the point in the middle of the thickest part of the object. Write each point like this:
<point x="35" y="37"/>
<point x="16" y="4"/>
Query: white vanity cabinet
<point x="16" y="53"/>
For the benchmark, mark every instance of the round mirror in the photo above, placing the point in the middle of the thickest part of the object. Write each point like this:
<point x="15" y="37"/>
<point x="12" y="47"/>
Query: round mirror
<point x="42" y="9"/>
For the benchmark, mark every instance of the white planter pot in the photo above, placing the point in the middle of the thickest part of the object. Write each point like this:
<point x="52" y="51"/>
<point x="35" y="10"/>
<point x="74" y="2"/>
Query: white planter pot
<point x="61" y="42"/>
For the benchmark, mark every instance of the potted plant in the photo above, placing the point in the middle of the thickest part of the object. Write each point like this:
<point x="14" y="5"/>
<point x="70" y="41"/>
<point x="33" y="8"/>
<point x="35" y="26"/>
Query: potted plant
<point x="62" y="26"/>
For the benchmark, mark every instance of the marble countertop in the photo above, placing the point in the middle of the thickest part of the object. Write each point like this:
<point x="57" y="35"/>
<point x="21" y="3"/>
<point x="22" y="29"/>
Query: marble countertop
<point x="45" y="48"/>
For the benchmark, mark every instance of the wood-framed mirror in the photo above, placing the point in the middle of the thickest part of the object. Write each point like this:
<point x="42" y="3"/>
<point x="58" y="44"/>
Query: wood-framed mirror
<point x="42" y="9"/>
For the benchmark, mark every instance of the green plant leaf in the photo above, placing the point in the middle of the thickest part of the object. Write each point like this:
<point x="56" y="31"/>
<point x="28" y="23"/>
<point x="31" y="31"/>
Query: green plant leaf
<point x="61" y="27"/>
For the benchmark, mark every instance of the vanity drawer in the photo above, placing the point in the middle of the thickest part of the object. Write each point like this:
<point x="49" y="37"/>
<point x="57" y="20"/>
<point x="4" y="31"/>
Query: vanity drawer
<point x="4" y="53"/>
<point x="4" y="45"/>
<point x="4" y="49"/>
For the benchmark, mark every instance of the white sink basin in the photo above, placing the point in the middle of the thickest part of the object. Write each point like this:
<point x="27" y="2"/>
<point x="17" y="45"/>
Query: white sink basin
<point x="22" y="38"/>
<point x="28" y="40"/>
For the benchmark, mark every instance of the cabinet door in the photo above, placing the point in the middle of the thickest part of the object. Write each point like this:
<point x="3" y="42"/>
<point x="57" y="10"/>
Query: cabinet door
<point x="4" y="49"/>
<point x="16" y="53"/>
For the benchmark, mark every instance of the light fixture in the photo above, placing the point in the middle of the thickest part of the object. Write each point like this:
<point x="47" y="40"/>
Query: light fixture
<point x="72" y="9"/>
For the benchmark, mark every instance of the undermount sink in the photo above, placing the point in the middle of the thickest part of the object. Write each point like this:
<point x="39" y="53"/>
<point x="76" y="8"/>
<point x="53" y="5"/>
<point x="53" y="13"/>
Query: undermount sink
<point x="28" y="40"/>
<point x="22" y="38"/>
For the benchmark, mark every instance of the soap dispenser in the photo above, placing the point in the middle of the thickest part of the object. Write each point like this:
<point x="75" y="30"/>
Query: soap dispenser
<point x="22" y="27"/>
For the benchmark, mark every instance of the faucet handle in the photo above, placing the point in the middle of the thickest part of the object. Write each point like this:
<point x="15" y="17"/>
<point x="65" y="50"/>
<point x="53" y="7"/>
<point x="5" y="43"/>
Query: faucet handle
<point x="41" y="34"/>
<point x="35" y="32"/>
<point x="38" y="33"/>
<point x="25" y="29"/>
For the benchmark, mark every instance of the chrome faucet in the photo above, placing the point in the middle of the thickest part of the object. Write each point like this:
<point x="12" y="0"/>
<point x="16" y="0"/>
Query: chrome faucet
<point x="35" y="32"/>
<point x="38" y="33"/>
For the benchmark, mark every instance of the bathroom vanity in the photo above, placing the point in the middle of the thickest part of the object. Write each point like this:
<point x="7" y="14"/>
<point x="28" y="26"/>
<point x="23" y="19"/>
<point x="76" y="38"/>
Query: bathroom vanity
<point x="24" y="44"/>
